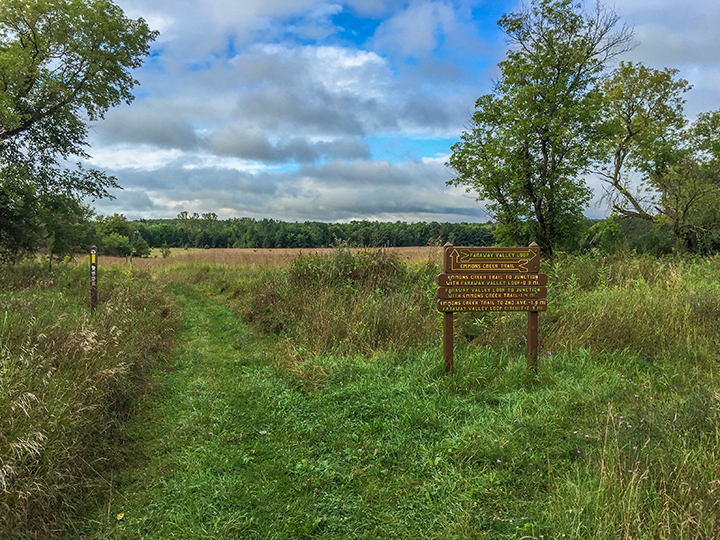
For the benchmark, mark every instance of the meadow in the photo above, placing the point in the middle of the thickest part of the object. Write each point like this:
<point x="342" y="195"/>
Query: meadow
<point x="273" y="394"/>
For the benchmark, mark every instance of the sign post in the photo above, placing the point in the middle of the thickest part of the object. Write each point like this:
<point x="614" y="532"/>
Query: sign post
<point x="491" y="279"/>
<point x="93" y="278"/>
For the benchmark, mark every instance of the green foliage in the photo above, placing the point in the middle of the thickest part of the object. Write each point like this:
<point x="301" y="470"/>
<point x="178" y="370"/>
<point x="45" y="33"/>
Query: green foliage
<point x="532" y="138"/>
<point x="191" y="231"/>
<point x="117" y="223"/>
<point x="69" y="380"/>
<point x="62" y="63"/>
<point x="140" y="247"/>
<point x="678" y="167"/>
<point x="117" y="245"/>
<point x="346" y="302"/>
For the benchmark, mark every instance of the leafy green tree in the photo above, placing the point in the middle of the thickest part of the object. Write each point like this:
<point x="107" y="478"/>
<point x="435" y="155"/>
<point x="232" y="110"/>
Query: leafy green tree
<point x="532" y="138"/>
<point x="140" y="247"/>
<point x="67" y="226"/>
<point x="117" y="223"/>
<point x="643" y="108"/>
<point x="117" y="245"/>
<point x="675" y="170"/>
<point x="62" y="63"/>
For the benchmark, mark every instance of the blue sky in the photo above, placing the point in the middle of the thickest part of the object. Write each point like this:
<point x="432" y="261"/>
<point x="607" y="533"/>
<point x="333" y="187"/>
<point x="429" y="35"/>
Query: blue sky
<point x="332" y="111"/>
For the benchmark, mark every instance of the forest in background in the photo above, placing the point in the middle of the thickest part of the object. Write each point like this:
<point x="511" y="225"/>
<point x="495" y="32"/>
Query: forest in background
<point x="117" y="236"/>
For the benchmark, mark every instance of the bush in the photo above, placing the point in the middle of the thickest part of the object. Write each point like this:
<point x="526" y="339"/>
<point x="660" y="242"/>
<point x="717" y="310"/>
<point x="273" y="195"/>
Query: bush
<point x="116" y="245"/>
<point x="348" y="301"/>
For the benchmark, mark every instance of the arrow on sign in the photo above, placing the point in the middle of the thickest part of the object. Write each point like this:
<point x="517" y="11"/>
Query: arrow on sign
<point x="521" y="260"/>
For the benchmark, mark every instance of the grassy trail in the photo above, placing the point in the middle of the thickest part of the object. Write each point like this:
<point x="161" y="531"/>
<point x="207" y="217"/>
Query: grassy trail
<point x="233" y="449"/>
<point x="202" y="437"/>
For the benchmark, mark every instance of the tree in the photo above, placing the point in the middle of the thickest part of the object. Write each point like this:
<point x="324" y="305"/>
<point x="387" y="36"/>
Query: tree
<point x="117" y="245"/>
<point x="117" y="223"/>
<point x="66" y="226"/>
<point x="643" y="110"/>
<point x="675" y="169"/>
<point x="140" y="247"/>
<point x="538" y="131"/>
<point x="63" y="63"/>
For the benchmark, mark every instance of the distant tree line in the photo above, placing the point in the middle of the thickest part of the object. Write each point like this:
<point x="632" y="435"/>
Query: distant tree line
<point x="207" y="231"/>
<point x="75" y="232"/>
<point x="115" y="235"/>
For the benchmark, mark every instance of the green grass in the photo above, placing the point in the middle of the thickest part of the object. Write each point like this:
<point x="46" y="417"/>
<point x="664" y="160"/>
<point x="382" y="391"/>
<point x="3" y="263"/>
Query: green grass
<point x="274" y="423"/>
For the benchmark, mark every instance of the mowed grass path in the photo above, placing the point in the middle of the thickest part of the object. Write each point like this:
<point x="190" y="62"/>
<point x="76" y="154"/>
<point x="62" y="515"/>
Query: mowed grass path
<point x="387" y="447"/>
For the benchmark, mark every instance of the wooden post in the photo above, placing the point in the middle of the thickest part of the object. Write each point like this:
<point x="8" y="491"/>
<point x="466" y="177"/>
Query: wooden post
<point x="93" y="278"/>
<point x="448" y="342"/>
<point x="532" y="341"/>
<point x="532" y="336"/>
<point x="448" y="335"/>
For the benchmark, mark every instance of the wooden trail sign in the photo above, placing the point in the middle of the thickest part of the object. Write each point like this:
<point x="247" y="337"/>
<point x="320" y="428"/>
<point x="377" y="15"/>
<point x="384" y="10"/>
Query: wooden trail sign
<point x="491" y="279"/>
<point x="93" y="278"/>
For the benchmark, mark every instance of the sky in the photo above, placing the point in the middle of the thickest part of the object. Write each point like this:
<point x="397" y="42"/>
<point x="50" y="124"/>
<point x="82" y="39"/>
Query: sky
<point x="312" y="110"/>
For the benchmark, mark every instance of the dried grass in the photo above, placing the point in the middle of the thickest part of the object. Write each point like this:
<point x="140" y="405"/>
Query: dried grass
<point x="262" y="258"/>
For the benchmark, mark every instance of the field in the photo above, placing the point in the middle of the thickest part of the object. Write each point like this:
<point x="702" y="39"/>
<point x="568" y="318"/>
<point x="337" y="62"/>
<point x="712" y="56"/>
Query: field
<point x="277" y="394"/>
<point x="259" y="258"/>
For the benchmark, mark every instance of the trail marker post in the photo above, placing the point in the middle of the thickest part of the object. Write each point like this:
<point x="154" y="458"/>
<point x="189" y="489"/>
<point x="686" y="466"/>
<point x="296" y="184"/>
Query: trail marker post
<point x="93" y="278"/>
<point x="491" y="279"/>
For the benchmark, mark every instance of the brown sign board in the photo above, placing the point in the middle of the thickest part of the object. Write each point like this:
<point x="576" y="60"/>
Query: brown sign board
<point x="517" y="260"/>
<point x="492" y="280"/>
<point x="469" y="293"/>
<point x="513" y="304"/>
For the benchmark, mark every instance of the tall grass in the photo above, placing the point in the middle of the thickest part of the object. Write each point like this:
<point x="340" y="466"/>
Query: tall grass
<point x="68" y="380"/>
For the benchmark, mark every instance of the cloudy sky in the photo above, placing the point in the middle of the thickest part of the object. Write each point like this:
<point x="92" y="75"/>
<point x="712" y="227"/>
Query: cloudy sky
<point x="303" y="110"/>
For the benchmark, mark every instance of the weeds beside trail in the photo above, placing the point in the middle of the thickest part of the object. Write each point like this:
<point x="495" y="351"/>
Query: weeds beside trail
<point x="69" y="380"/>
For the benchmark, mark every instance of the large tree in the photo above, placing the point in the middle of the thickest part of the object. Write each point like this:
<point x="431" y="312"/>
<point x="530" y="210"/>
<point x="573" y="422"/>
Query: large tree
<point x="656" y="168"/>
<point x="63" y="63"/>
<point x="532" y="138"/>
<point x="644" y="121"/>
